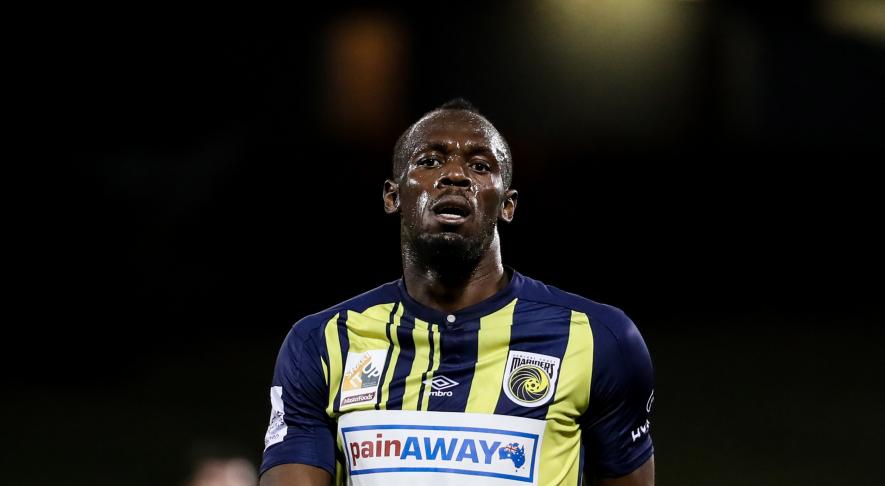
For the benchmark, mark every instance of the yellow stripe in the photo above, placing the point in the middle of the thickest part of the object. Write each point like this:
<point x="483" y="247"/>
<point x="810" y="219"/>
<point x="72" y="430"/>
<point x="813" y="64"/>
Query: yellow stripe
<point x="333" y="347"/>
<point x="491" y="358"/>
<point x="340" y="473"/>
<point x="368" y="330"/>
<point x="419" y="365"/>
<point x="391" y="367"/>
<point x="562" y="438"/>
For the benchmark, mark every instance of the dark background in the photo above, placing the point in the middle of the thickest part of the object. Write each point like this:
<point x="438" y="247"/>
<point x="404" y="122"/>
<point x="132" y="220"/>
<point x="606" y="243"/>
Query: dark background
<point x="202" y="182"/>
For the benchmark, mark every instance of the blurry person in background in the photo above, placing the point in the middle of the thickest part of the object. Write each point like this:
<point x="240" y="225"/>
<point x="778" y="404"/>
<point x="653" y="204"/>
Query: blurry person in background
<point x="235" y="471"/>
<point x="220" y="463"/>
<point x="463" y="371"/>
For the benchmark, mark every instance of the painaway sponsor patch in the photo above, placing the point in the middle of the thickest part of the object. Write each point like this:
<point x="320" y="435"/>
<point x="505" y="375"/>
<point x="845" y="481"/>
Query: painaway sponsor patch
<point x="394" y="447"/>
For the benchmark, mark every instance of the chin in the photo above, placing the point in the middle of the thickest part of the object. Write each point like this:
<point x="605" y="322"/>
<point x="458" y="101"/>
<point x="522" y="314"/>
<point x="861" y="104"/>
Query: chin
<point x="448" y="248"/>
<point x="444" y="241"/>
<point x="452" y="237"/>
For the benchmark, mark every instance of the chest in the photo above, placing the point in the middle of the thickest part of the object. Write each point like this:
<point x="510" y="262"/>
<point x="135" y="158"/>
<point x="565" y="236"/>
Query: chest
<point x="492" y="369"/>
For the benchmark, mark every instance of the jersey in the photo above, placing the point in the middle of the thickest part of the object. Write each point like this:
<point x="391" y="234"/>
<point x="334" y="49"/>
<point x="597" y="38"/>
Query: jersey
<point x="522" y="388"/>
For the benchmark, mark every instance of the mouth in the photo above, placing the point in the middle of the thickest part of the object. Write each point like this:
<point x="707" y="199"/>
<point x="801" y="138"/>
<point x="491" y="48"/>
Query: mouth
<point x="451" y="210"/>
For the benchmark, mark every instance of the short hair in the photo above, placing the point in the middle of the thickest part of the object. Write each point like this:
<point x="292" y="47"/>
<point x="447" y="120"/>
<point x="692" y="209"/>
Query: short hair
<point x="400" y="158"/>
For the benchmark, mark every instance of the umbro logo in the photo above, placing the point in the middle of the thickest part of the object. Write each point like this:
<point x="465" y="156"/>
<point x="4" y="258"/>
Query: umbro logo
<point x="440" y="383"/>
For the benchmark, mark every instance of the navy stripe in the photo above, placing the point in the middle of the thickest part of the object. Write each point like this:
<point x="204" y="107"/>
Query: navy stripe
<point x="403" y="363"/>
<point x="542" y="329"/>
<point x="458" y="351"/>
<point x="389" y="352"/>
<point x="429" y="367"/>
<point x="581" y="466"/>
<point x="345" y="347"/>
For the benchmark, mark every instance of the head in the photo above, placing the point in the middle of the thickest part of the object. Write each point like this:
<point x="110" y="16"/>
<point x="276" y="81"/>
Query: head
<point x="451" y="186"/>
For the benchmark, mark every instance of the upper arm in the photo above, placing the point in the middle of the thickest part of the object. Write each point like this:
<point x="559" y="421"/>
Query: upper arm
<point x="300" y="432"/>
<point x="295" y="475"/>
<point x="644" y="476"/>
<point x="616" y="427"/>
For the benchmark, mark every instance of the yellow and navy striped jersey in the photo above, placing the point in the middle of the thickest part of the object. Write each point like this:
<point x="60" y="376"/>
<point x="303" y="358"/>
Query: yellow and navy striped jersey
<point x="534" y="385"/>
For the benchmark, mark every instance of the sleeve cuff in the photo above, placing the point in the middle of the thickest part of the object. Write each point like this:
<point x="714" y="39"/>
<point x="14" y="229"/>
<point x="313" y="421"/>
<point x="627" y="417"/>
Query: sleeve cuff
<point x="290" y="452"/>
<point x="623" y="469"/>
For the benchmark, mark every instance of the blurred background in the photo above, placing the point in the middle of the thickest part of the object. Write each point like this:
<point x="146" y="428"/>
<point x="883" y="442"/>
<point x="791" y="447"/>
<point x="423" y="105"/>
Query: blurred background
<point x="204" y="180"/>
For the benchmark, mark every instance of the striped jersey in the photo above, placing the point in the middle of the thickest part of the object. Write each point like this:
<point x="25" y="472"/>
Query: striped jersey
<point x="534" y="385"/>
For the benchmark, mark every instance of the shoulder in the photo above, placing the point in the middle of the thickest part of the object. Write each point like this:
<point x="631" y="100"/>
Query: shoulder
<point x="314" y="324"/>
<point x="607" y="322"/>
<point x="307" y="337"/>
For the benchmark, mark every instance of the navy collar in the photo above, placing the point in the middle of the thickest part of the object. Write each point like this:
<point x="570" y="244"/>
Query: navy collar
<point x="497" y="301"/>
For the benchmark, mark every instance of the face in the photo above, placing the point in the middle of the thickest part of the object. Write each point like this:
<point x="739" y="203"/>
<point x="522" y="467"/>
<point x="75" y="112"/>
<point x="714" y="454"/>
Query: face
<point x="451" y="190"/>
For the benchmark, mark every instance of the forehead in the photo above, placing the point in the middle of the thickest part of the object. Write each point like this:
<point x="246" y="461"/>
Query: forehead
<point x="457" y="127"/>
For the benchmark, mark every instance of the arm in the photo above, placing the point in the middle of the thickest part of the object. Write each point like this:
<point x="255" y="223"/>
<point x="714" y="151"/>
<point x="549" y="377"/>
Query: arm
<point x="644" y="476"/>
<point x="616" y="426"/>
<point x="300" y="439"/>
<point x="295" y="475"/>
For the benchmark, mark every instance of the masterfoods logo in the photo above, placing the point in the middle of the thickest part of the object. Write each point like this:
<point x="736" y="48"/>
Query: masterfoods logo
<point x="362" y="374"/>
<point x="408" y="448"/>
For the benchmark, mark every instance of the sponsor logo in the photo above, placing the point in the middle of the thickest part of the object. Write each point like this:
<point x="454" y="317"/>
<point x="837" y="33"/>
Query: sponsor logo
<point x="405" y="448"/>
<point x="651" y="400"/>
<point x="530" y="378"/>
<point x="362" y="374"/>
<point x="640" y="431"/>
<point x="277" y="429"/>
<point x="440" y="383"/>
<point x="399" y="448"/>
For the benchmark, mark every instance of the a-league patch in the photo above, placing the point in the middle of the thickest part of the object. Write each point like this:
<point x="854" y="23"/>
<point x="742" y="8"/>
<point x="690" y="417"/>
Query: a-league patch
<point x="276" y="429"/>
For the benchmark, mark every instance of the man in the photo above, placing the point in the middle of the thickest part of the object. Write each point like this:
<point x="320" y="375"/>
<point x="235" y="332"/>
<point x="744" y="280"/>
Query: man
<point x="463" y="371"/>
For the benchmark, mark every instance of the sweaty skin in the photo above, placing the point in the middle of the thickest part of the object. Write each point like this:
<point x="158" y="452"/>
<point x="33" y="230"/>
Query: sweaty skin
<point x="455" y="158"/>
<point x="450" y="196"/>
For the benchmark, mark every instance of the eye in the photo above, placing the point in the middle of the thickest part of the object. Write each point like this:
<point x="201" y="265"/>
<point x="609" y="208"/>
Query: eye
<point x="428" y="162"/>
<point x="480" y="166"/>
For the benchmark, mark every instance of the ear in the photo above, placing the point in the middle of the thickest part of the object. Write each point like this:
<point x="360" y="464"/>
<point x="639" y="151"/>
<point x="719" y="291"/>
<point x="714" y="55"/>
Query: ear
<point x="391" y="197"/>
<point x="508" y="206"/>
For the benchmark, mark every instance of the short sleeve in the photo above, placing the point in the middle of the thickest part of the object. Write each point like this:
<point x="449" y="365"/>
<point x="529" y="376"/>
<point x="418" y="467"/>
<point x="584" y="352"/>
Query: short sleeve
<point x="616" y="425"/>
<point x="299" y="431"/>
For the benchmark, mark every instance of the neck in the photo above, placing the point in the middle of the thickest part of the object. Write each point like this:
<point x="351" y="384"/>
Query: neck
<point x="449" y="288"/>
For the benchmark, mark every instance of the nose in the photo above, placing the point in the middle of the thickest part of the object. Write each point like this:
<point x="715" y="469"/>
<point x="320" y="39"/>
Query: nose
<point x="453" y="175"/>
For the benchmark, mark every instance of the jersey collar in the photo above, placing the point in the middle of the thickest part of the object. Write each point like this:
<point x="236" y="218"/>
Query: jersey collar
<point x="472" y="313"/>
